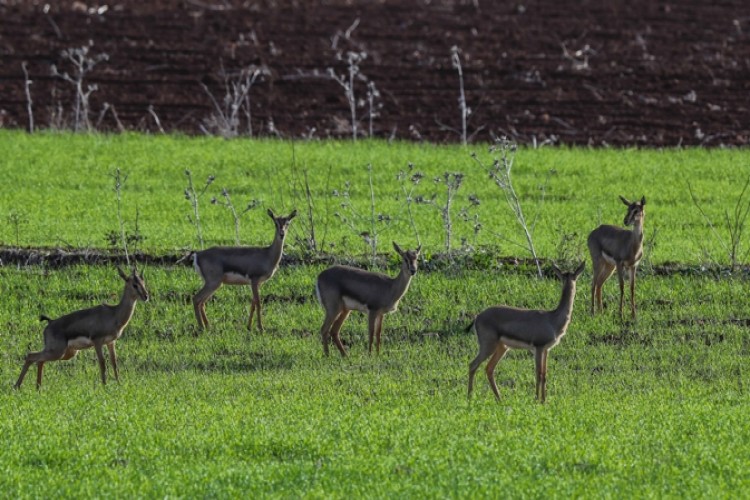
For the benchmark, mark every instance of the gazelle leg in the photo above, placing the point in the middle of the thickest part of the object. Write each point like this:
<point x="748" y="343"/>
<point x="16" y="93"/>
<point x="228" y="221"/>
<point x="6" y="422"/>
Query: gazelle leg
<point x="102" y="367"/>
<point x="252" y="312"/>
<point x="39" y="372"/>
<point x="632" y="290"/>
<point x="199" y="302"/>
<point x="621" y="280"/>
<point x="25" y="368"/>
<point x="604" y="274"/>
<point x="69" y="353"/>
<point x="538" y="364"/>
<point x="484" y="352"/>
<point x="53" y="351"/>
<point x="378" y="331"/>
<point x="336" y="328"/>
<point x="325" y="331"/>
<point x="544" y="375"/>
<point x="113" y="359"/>
<point x="256" y="301"/>
<point x="487" y="346"/>
<point x="492" y="363"/>
<point x="372" y="319"/>
<point x="601" y="274"/>
<point x="595" y="284"/>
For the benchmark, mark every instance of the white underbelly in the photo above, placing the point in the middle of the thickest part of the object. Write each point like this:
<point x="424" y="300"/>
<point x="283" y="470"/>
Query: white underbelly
<point x="352" y="304"/>
<point x="236" y="279"/>
<point x="517" y="344"/>
<point x="79" y="343"/>
<point x="609" y="259"/>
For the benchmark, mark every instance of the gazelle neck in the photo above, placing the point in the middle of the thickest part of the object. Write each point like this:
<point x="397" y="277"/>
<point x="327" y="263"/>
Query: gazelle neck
<point x="565" y="307"/>
<point x="277" y="246"/>
<point x="638" y="230"/>
<point x="402" y="281"/>
<point x="127" y="304"/>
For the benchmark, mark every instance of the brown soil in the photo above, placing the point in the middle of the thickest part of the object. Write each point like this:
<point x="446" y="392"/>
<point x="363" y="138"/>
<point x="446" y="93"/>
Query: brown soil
<point x="623" y="72"/>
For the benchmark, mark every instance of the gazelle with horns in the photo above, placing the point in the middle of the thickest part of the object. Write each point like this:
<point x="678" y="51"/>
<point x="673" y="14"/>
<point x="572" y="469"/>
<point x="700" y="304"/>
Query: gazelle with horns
<point x="341" y="289"/>
<point x="94" y="327"/>
<point x="502" y="328"/>
<point x="614" y="248"/>
<point x="239" y="266"/>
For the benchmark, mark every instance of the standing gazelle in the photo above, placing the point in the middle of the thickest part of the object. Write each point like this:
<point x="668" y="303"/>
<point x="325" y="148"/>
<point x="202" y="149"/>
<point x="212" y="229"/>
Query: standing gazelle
<point x="613" y="247"/>
<point x="239" y="266"/>
<point x="93" y="327"/>
<point x="502" y="328"/>
<point x="341" y="289"/>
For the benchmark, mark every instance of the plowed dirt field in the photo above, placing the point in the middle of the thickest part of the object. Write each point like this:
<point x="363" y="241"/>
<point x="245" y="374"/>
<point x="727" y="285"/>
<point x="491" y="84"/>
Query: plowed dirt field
<point x="626" y="72"/>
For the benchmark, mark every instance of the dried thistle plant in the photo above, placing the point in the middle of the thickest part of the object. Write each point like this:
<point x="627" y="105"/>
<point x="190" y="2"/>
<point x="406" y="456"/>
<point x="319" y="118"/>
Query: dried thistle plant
<point x="83" y="63"/>
<point x="503" y="154"/>
<point x="236" y="216"/>
<point x="408" y="180"/>
<point x="225" y="120"/>
<point x="193" y="196"/>
<point x="452" y="182"/>
<point x="366" y="226"/>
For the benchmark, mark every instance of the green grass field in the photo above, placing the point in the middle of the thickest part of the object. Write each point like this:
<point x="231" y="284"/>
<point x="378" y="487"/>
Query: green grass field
<point x="655" y="408"/>
<point x="61" y="188"/>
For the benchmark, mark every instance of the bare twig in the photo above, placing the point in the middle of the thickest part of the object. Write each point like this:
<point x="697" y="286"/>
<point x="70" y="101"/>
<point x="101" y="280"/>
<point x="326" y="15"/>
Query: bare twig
<point x="414" y="178"/>
<point x="456" y="61"/>
<point x="152" y="112"/>
<point x="347" y="83"/>
<point x="193" y="197"/>
<point x="82" y="65"/>
<point x="226" y="117"/>
<point x="119" y="179"/>
<point x="373" y="229"/>
<point x="311" y="220"/>
<point x="29" y="102"/>
<point x="235" y="215"/>
<point x="107" y="107"/>
<point x="710" y="223"/>
<point x="500" y="172"/>
<point x="452" y="182"/>
<point x="310" y="241"/>
<point x="51" y="21"/>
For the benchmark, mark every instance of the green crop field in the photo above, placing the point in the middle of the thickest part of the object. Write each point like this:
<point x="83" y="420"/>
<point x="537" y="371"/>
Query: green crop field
<point x="651" y="408"/>
<point x="59" y="188"/>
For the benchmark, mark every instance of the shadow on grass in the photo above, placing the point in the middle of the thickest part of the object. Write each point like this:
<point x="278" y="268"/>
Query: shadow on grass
<point x="221" y="362"/>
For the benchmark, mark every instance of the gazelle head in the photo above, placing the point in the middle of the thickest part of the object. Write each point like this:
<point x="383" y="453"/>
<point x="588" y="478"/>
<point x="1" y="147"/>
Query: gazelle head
<point x="409" y="257"/>
<point x="136" y="281"/>
<point x="635" y="210"/>
<point x="569" y="277"/>
<point x="281" y="222"/>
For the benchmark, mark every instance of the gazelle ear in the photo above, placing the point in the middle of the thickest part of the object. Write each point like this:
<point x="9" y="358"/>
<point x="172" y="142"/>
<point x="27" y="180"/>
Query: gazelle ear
<point x="624" y="200"/>
<point x="643" y="200"/>
<point x="557" y="271"/>
<point x="270" y="213"/>
<point x="580" y="269"/>
<point x="138" y="272"/>
<point x="419" y="249"/>
<point x="122" y="274"/>
<point x="397" y="248"/>
<point x="293" y="214"/>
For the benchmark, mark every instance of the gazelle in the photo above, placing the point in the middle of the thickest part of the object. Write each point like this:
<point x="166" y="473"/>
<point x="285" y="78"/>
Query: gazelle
<point x="502" y="328"/>
<point x="341" y="289"/>
<point x="239" y="266"/>
<point x="613" y="247"/>
<point x="93" y="327"/>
